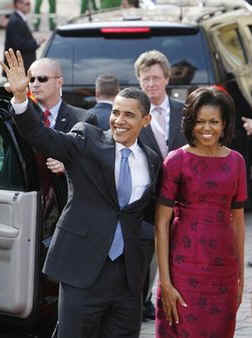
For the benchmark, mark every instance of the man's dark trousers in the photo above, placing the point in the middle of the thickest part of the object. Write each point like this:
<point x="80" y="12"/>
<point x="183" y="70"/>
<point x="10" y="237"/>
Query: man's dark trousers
<point x="80" y="318"/>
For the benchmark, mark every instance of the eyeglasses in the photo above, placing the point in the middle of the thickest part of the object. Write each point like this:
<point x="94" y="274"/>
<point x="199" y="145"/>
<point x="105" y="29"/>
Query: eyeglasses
<point x="42" y="79"/>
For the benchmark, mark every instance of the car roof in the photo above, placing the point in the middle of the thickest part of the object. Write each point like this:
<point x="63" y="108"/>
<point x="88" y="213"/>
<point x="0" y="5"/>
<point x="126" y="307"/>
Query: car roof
<point x="130" y="23"/>
<point x="167" y="13"/>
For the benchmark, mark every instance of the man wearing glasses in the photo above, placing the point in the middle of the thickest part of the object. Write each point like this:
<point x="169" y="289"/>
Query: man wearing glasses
<point x="18" y="34"/>
<point x="45" y="87"/>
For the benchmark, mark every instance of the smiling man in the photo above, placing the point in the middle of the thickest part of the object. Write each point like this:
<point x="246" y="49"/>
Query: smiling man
<point x="95" y="252"/>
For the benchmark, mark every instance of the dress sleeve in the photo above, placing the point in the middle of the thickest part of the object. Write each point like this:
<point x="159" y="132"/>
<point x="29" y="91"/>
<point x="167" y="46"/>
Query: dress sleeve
<point x="171" y="174"/>
<point x="240" y="195"/>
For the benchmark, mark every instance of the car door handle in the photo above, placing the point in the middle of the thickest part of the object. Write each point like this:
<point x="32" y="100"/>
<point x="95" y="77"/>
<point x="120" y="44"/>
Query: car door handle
<point x="8" y="235"/>
<point x="8" y="231"/>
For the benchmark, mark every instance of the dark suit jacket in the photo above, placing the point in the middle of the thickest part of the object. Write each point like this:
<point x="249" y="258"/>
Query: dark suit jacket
<point x="102" y="111"/>
<point x="176" y="139"/>
<point x="67" y="117"/>
<point x="85" y="230"/>
<point x="19" y="36"/>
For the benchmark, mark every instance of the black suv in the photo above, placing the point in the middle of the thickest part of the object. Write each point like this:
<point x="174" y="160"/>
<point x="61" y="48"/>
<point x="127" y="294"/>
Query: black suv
<point x="206" y="45"/>
<point x="111" y="42"/>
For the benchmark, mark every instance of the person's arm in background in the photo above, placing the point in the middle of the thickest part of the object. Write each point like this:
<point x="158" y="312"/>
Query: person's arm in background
<point x="247" y="124"/>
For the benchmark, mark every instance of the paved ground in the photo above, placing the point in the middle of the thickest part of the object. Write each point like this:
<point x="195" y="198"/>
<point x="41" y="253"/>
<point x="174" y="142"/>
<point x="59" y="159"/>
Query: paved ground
<point x="244" y="322"/>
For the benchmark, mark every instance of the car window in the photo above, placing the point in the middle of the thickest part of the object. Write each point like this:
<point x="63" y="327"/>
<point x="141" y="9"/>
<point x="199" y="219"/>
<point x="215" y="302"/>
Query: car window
<point x="83" y="58"/>
<point x="232" y="43"/>
<point x="11" y="175"/>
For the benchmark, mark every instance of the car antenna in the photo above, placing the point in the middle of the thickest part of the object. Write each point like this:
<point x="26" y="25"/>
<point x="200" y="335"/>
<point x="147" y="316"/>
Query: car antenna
<point x="181" y="11"/>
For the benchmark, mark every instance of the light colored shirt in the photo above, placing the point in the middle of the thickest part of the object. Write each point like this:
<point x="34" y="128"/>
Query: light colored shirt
<point x="54" y="113"/>
<point x="19" y="108"/>
<point x="105" y="101"/>
<point x="138" y="167"/>
<point x="161" y="130"/>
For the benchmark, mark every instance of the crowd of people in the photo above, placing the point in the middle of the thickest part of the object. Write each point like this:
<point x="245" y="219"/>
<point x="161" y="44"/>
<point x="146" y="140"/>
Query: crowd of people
<point x="144" y="183"/>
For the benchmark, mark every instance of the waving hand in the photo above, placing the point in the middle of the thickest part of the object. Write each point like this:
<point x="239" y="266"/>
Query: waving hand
<point x="16" y="75"/>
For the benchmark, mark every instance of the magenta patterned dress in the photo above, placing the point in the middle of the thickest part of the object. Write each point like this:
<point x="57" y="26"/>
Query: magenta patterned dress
<point x="203" y="259"/>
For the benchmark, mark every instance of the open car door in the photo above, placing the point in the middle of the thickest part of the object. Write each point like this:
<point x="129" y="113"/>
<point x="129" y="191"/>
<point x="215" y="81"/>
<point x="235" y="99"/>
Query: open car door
<point x="232" y="38"/>
<point x="19" y="227"/>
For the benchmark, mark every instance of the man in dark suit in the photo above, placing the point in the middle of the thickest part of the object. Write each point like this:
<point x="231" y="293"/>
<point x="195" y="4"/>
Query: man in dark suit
<point x="106" y="89"/>
<point x="95" y="251"/>
<point x="45" y="95"/>
<point x="163" y="134"/>
<point x="18" y="34"/>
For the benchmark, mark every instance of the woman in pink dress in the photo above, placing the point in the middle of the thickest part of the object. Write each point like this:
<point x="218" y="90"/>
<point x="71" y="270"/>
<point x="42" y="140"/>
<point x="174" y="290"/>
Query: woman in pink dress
<point x="200" y="225"/>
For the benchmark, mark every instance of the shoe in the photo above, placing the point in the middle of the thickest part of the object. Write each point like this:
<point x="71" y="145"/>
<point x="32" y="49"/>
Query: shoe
<point x="148" y="311"/>
<point x="249" y="263"/>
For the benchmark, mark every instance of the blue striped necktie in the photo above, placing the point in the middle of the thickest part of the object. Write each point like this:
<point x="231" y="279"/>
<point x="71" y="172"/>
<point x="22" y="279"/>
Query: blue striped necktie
<point x="124" y="190"/>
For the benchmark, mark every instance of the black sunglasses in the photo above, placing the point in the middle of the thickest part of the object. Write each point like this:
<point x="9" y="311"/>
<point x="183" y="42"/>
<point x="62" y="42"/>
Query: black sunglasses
<point x="42" y="79"/>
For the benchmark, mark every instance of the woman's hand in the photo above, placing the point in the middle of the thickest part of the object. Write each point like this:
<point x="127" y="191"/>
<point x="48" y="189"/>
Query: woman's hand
<point x="170" y="298"/>
<point x="55" y="166"/>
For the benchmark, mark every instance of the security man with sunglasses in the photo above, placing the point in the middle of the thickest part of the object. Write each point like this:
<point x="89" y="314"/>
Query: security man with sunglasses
<point x="45" y="87"/>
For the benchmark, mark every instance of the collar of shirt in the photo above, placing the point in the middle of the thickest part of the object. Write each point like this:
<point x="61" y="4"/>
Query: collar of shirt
<point x="133" y="148"/>
<point x="105" y="101"/>
<point x="22" y="15"/>
<point x="138" y="164"/>
<point x="54" y="112"/>
<point x="165" y="105"/>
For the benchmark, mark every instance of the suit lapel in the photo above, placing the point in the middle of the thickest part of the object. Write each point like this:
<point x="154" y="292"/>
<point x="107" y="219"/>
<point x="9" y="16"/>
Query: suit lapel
<point x="62" y="120"/>
<point x="153" y="171"/>
<point x="152" y="165"/>
<point x="107" y="171"/>
<point x="173" y="124"/>
<point x="147" y="137"/>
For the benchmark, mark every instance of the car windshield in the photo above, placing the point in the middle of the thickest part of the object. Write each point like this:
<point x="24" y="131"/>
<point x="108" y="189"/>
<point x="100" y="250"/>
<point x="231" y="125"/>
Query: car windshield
<point x="84" y="58"/>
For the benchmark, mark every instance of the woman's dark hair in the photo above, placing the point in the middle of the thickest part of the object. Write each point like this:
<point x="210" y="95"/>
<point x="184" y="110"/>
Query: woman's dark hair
<point x="209" y="96"/>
